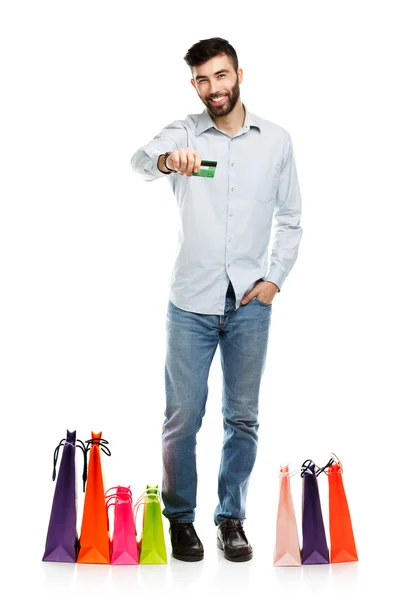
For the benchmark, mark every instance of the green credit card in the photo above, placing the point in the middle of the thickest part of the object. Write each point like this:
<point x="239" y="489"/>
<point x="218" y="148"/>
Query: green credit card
<point x="207" y="169"/>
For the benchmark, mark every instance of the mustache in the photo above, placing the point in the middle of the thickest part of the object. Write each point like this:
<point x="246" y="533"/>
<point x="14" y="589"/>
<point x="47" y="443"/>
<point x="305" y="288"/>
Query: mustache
<point x="213" y="98"/>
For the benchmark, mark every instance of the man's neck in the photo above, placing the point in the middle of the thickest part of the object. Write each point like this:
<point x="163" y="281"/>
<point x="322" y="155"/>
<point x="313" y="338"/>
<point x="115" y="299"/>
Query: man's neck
<point x="232" y="122"/>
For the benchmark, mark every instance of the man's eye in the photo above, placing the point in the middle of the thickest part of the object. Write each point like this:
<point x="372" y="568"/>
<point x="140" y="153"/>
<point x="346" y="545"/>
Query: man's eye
<point x="202" y="80"/>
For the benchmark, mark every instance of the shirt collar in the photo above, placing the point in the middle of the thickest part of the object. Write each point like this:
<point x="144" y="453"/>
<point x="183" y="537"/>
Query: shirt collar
<point x="205" y="121"/>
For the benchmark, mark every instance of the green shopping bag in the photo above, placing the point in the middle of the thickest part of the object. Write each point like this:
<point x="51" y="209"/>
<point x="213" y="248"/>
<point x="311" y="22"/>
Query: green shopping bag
<point x="151" y="546"/>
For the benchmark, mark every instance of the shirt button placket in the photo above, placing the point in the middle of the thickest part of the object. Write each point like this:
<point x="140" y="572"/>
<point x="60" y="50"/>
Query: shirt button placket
<point x="232" y="182"/>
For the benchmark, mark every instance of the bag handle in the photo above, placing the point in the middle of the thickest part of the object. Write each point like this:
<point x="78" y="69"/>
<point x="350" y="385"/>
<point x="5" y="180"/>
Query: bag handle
<point x="303" y="469"/>
<point x="116" y="496"/>
<point x="77" y="444"/>
<point x="101" y="442"/>
<point x="122" y="490"/>
<point x="113" y="499"/>
<point x="333" y="460"/>
<point x="287" y="473"/>
<point x="141" y="501"/>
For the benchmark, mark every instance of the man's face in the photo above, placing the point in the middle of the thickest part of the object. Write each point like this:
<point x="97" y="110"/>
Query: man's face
<point x="214" y="79"/>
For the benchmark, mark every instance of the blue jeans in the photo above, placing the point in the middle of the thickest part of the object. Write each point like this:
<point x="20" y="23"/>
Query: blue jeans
<point x="192" y="339"/>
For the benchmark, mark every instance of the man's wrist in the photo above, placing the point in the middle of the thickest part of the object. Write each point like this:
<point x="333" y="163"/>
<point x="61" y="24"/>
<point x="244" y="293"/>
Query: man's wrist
<point x="161" y="164"/>
<point x="273" y="283"/>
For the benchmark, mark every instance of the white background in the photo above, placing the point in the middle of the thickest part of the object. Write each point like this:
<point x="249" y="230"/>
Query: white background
<point x="87" y="248"/>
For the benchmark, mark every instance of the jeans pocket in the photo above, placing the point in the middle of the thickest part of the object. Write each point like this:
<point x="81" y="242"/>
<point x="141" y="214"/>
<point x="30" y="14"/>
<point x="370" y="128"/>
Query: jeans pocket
<point x="260" y="302"/>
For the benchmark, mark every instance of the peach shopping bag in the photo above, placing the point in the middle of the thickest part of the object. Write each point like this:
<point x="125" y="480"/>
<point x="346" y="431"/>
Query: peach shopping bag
<point x="287" y="549"/>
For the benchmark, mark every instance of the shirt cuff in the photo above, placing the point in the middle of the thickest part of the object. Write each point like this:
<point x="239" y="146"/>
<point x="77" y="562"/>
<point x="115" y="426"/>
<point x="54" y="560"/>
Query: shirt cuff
<point x="153" y="154"/>
<point x="276" y="276"/>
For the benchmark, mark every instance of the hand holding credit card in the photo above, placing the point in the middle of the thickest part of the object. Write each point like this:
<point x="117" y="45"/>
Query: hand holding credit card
<point x="185" y="160"/>
<point x="207" y="169"/>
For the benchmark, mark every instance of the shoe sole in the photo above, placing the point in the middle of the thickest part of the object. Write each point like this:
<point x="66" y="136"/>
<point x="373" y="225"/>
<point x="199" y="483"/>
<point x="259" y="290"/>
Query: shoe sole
<point x="240" y="558"/>
<point x="187" y="557"/>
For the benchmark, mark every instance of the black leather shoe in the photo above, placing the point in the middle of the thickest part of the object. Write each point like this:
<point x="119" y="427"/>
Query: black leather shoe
<point x="185" y="542"/>
<point x="233" y="541"/>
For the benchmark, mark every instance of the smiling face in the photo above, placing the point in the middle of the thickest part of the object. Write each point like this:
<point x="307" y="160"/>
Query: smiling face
<point x="216" y="79"/>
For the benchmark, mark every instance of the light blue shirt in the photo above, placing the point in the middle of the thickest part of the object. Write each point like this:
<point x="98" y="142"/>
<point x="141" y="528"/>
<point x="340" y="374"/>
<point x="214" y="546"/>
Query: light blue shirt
<point x="226" y="221"/>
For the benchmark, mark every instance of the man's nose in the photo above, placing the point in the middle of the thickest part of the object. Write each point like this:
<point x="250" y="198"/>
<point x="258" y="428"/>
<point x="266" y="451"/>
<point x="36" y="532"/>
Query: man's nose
<point x="214" y="90"/>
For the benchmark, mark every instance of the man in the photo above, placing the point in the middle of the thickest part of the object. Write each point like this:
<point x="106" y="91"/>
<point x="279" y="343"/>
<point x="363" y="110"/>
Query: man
<point x="222" y="285"/>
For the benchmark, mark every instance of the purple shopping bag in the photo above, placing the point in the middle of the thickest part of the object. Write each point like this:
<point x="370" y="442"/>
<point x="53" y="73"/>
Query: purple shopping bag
<point x="315" y="548"/>
<point x="62" y="539"/>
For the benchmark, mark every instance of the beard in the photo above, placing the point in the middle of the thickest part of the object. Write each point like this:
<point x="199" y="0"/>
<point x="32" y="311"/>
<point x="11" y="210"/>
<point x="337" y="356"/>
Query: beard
<point x="231" y="99"/>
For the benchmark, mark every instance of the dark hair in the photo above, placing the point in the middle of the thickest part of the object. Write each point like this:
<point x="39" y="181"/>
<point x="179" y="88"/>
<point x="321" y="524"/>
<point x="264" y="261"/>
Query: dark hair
<point x="203" y="50"/>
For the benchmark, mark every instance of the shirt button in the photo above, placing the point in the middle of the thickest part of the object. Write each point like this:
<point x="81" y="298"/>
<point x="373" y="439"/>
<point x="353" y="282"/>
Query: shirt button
<point x="232" y="164"/>
<point x="231" y="214"/>
<point x="230" y="239"/>
<point x="232" y="189"/>
<point x="229" y="264"/>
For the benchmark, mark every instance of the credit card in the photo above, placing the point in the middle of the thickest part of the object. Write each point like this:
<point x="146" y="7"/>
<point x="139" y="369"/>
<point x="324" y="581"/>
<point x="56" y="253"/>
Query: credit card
<point x="207" y="169"/>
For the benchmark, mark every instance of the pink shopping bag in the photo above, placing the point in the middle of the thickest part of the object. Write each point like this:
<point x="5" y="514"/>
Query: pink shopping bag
<point x="123" y="545"/>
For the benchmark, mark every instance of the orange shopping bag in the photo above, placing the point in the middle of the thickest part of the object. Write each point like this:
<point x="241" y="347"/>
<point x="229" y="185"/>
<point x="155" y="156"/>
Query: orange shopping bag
<point x="287" y="548"/>
<point x="94" y="539"/>
<point x="343" y="547"/>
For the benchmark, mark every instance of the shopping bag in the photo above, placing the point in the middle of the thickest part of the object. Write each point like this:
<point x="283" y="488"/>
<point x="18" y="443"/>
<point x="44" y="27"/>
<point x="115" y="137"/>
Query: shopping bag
<point x="287" y="548"/>
<point x="315" y="548"/>
<point x="94" y="540"/>
<point x="62" y="540"/>
<point x="123" y="545"/>
<point x="151" y="546"/>
<point x="343" y="546"/>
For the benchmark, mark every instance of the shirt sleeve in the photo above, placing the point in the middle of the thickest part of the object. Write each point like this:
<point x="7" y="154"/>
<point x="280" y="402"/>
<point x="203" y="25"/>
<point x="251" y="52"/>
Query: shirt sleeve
<point x="287" y="231"/>
<point x="170" y="138"/>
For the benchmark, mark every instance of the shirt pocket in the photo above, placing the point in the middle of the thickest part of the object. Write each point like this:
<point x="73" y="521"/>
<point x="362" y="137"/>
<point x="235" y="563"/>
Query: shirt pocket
<point x="266" y="192"/>
<point x="265" y="197"/>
